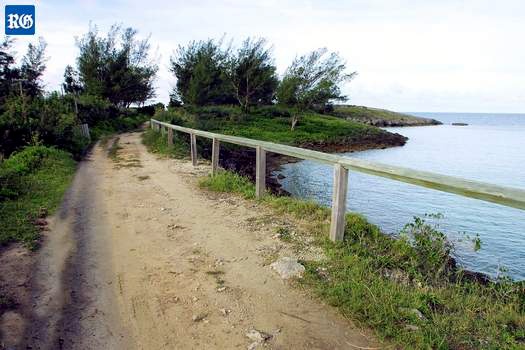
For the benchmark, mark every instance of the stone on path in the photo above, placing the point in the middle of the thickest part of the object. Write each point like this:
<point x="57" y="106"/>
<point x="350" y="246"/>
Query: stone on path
<point x="288" y="267"/>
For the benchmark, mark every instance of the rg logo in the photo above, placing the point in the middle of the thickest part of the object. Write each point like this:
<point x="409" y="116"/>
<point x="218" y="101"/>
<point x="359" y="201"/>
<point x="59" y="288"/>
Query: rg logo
<point x="19" y="19"/>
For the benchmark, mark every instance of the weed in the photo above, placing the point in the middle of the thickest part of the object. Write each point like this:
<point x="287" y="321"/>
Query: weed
<point x="284" y="233"/>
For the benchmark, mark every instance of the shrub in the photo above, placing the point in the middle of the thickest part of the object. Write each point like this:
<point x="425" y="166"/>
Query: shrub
<point x="31" y="180"/>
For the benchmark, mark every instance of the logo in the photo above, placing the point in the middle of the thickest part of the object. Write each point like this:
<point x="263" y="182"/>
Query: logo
<point x="19" y="19"/>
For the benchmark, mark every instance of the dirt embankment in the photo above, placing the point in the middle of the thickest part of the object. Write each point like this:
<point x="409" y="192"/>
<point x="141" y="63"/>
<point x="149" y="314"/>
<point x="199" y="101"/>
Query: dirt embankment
<point x="138" y="257"/>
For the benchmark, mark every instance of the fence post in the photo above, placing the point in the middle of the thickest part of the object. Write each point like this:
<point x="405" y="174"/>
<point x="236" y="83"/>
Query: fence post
<point x="337" y="224"/>
<point x="170" y="136"/>
<point x="260" y="172"/>
<point x="215" y="156"/>
<point x="193" y="149"/>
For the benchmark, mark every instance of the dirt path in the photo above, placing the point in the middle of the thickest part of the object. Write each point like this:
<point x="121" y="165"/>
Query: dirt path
<point x="139" y="258"/>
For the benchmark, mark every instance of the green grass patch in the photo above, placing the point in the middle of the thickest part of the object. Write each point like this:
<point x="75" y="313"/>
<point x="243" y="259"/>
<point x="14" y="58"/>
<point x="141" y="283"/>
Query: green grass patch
<point x="157" y="143"/>
<point x="33" y="182"/>
<point x="273" y="124"/>
<point x="406" y="288"/>
<point x="226" y="181"/>
<point x="113" y="150"/>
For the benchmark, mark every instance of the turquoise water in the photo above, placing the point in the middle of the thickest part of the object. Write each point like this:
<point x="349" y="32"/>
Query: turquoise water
<point x="491" y="149"/>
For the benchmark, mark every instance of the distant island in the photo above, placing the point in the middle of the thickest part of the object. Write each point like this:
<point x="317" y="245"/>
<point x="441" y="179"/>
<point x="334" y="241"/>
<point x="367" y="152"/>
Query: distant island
<point x="380" y="117"/>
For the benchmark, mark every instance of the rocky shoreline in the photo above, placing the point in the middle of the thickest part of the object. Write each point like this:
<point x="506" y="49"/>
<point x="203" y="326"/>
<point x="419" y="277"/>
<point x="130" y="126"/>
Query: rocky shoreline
<point x="383" y="123"/>
<point x="242" y="160"/>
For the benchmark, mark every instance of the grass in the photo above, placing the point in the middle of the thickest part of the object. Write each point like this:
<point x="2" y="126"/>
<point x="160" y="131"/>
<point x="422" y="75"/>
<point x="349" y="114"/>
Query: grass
<point x="229" y="182"/>
<point x="405" y="288"/>
<point x="33" y="183"/>
<point x="273" y="124"/>
<point x="113" y="149"/>
<point x="157" y="143"/>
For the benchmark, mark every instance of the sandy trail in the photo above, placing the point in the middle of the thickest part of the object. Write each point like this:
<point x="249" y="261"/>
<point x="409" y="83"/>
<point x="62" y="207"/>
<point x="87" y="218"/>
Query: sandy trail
<point x="138" y="257"/>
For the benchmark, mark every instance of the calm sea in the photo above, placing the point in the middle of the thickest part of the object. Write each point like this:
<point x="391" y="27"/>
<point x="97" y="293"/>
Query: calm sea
<point x="490" y="149"/>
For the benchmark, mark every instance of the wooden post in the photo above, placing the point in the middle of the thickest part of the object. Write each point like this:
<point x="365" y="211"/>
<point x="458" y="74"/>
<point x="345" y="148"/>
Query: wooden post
<point x="260" y="172"/>
<point x="337" y="225"/>
<point x="215" y="156"/>
<point x="193" y="149"/>
<point x="170" y="137"/>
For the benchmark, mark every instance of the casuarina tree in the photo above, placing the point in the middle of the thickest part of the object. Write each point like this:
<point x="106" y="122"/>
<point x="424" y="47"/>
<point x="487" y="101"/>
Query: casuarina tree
<point x="200" y="69"/>
<point x="251" y="72"/>
<point x="313" y="80"/>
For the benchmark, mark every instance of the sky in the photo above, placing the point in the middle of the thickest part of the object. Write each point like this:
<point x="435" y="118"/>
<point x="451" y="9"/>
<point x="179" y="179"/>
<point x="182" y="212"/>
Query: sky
<point x="419" y="56"/>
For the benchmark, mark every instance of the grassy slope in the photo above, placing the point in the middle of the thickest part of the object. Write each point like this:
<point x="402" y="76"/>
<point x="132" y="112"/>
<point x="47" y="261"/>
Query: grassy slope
<point x="380" y="117"/>
<point x="273" y="124"/>
<point x="33" y="183"/>
<point x="456" y="314"/>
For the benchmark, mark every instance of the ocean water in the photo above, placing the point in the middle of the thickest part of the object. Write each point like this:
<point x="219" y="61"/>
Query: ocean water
<point x="490" y="149"/>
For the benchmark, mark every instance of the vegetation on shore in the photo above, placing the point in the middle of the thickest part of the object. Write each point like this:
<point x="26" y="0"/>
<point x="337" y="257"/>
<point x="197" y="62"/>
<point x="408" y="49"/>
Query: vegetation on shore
<point x="33" y="182"/>
<point x="271" y="123"/>
<point x="379" y="117"/>
<point x="406" y="288"/>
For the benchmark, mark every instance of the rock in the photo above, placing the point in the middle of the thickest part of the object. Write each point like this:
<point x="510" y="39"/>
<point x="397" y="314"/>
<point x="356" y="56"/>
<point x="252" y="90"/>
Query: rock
<point x="225" y="312"/>
<point x="258" y="336"/>
<point x="398" y="276"/>
<point x="281" y="176"/>
<point x="199" y="317"/>
<point x="323" y="273"/>
<point x="411" y="327"/>
<point x="288" y="267"/>
<point x="221" y="289"/>
<point x="253" y="346"/>
<point x="414" y="312"/>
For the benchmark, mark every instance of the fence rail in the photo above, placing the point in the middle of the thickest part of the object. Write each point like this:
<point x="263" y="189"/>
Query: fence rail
<point x="507" y="196"/>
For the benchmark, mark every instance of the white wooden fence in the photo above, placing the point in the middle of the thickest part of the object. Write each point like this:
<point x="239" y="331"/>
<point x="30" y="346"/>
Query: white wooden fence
<point x="507" y="196"/>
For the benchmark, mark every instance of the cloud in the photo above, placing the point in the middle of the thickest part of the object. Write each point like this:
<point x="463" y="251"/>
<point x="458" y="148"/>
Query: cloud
<point x="410" y="55"/>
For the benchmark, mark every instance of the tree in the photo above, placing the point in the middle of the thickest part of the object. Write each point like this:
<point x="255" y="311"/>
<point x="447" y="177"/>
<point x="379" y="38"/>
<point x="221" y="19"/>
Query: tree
<point x="251" y="73"/>
<point x="8" y="72"/>
<point x="117" y="67"/>
<point x="313" y="80"/>
<point x="200" y="69"/>
<point x="33" y="67"/>
<point x="71" y="83"/>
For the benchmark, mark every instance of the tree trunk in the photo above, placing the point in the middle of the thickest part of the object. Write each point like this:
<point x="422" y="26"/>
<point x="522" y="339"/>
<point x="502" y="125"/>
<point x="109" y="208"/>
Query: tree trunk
<point x="295" y="119"/>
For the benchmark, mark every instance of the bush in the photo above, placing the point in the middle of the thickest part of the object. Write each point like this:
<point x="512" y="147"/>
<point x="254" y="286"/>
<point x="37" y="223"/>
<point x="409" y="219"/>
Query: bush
<point x="18" y="165"/>
<point x="32" y="181"/>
